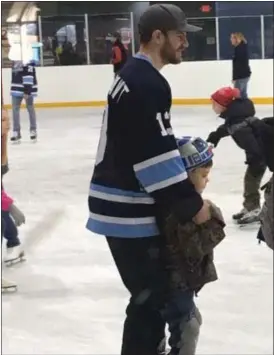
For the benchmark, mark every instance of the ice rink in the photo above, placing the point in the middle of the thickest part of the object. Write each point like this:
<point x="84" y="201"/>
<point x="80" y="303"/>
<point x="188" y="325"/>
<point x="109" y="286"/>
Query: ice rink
<point x="70" y="299"/>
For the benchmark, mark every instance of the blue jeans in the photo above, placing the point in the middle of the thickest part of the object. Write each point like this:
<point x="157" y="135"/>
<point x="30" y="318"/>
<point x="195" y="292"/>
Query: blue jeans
<point x="241" y="84"/>
<point x="178" y="312"/>
<point x="16" y="103"/>
<point x="9" y="230"/>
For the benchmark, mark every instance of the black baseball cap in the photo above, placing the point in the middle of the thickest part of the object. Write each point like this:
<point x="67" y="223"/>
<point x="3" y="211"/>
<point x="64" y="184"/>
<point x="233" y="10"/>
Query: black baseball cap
<point x="164" y="17"/>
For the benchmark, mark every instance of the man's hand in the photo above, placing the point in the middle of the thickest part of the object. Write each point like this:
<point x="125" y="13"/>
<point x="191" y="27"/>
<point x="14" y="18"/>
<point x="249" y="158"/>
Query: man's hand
<point x="26" y="96"/>
<point x="5" y="122"/>
<point x="204" y="214"/>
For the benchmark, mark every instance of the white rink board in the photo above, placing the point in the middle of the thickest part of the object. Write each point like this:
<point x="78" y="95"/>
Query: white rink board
<point x="188" y="80"/>
<point x="70" y="299"/>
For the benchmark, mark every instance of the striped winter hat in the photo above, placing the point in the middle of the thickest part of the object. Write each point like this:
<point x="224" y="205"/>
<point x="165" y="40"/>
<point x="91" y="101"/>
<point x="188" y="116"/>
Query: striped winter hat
<point x="194" y="151"/>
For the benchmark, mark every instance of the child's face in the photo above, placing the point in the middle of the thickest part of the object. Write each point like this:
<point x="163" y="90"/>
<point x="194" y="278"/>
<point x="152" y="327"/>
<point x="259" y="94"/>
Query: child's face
<point x="199" y="178"/>
<point x="218" y="109"/>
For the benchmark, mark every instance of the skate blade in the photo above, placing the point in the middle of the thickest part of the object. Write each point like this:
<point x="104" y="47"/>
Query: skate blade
<point x="15" y="261"/>
<point x="9" y="289"/>
<point x="33" y="140"/>
<point x="16" y="142"/>
<point x="249" y="225"/>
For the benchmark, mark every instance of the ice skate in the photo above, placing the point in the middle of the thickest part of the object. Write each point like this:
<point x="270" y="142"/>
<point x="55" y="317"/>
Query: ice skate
<point x="14" y="255"/>
<point x="240" y="214"/>
<point x="16" y="138"/>
<point x="250" y="217"/>
<point x="8" y="286"/>
<point x="33" y="136"/>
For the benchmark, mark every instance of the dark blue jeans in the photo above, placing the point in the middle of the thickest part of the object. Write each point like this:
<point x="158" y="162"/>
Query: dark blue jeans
<point x="241" y="84"/>
<point x="178" y="311"/>
<point x="9" y="230"/>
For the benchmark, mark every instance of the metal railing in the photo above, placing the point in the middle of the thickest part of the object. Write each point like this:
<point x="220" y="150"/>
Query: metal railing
<point x="86" y="39"/>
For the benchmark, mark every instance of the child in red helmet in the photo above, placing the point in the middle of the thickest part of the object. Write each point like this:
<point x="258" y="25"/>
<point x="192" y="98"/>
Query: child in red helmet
<point x="239" y="115"/>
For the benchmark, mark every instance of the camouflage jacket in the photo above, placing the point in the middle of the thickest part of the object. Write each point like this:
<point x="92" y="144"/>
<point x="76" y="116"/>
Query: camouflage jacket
<point x="190" y="250"/>
<point x="267" y="214"/>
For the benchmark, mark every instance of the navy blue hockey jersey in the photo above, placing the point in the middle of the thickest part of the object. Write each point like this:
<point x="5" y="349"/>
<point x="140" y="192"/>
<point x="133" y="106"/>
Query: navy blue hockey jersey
<point x="138" y="165"/>
<point x="23" y="80"/>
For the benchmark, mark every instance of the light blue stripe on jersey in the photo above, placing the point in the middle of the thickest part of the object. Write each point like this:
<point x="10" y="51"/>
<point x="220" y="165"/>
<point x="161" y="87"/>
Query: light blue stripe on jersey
<point x="161" y="171"/>
<point x="28" y="80"/>
<point x="114" y="191"/>
<point x="113" y="229"/>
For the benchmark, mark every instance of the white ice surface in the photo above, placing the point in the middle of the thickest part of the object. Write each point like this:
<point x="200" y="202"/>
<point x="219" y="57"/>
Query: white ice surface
<point x="70" y="298"/>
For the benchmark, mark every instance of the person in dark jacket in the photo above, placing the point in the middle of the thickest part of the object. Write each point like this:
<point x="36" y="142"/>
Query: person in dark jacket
<point x="264" y="130"/>
<point x="119" y="53"/>
<point x="238" y="114"/>
<point x="241" y="68"/>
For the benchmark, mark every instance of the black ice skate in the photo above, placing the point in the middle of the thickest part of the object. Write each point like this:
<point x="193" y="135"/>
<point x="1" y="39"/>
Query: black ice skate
<point x="14" y="256"/>
<point x="240" y="214"/>
<point x="8" y="286"/>
<point x="16" y="137"/>
<point x="250" y="217"/>
<point x="33" y="136"/>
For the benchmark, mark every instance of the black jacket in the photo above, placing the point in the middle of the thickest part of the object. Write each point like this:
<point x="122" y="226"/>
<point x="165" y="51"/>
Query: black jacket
<point x="264" y="130"/>
<point x="241" y="68"/>
<point x="238" y="118"/>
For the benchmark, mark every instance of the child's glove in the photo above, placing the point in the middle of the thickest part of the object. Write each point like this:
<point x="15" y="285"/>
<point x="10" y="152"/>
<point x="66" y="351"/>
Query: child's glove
<point x="17" y="215"/>
<point x="213" y="138"/>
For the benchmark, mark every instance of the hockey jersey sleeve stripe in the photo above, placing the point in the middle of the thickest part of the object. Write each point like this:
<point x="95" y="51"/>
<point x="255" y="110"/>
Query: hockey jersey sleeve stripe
<point x="105" y="195"/>
<point x="168" y="182"/>
<point x="158" y="159"/>
<point x="161" y="174"/>
<point x="122" y="230"/>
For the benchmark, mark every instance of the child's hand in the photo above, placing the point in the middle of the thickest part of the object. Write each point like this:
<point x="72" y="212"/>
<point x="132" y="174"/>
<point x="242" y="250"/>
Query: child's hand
<point x="17" y="215"/>
<point x="204" y="214"/>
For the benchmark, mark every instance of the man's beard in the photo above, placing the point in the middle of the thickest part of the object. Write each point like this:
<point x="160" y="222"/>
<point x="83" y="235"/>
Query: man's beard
<point x="169" y="55"/>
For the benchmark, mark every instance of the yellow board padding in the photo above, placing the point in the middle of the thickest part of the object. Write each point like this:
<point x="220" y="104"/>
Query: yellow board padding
<point x="200" y="101"/>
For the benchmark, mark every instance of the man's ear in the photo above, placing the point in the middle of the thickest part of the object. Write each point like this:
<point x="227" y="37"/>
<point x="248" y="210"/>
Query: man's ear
<point x="157" y="36"/>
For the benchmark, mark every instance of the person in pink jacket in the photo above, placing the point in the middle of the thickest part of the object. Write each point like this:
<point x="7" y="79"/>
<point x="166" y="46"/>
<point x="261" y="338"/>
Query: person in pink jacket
<point x="12" y="218"/>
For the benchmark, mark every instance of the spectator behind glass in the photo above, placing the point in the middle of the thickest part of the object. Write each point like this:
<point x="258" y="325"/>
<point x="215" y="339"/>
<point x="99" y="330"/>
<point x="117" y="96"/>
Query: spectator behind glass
<point x="68" y="55"/>
<point x="241" y="69"/>
<point x="119" y="53"/>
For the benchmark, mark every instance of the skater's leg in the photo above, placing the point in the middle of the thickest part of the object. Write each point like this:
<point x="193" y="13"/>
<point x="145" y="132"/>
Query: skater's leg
<point x="16" y="103"/>
<point x="184" y="322"/>
<point x="142" y="270"/>
<point x="252" y="181"/>
<point x="32" y="114"/>
<point x="11" y="231"/>
<point x="241" y="84"/>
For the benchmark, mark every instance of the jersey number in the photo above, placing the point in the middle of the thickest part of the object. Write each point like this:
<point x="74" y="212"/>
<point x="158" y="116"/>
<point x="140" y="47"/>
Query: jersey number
<point x="103" y="139"/>
<point x="164" y="131"/>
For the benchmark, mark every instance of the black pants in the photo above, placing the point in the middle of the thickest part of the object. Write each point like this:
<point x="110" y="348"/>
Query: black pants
<point x="141" y="266"/>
